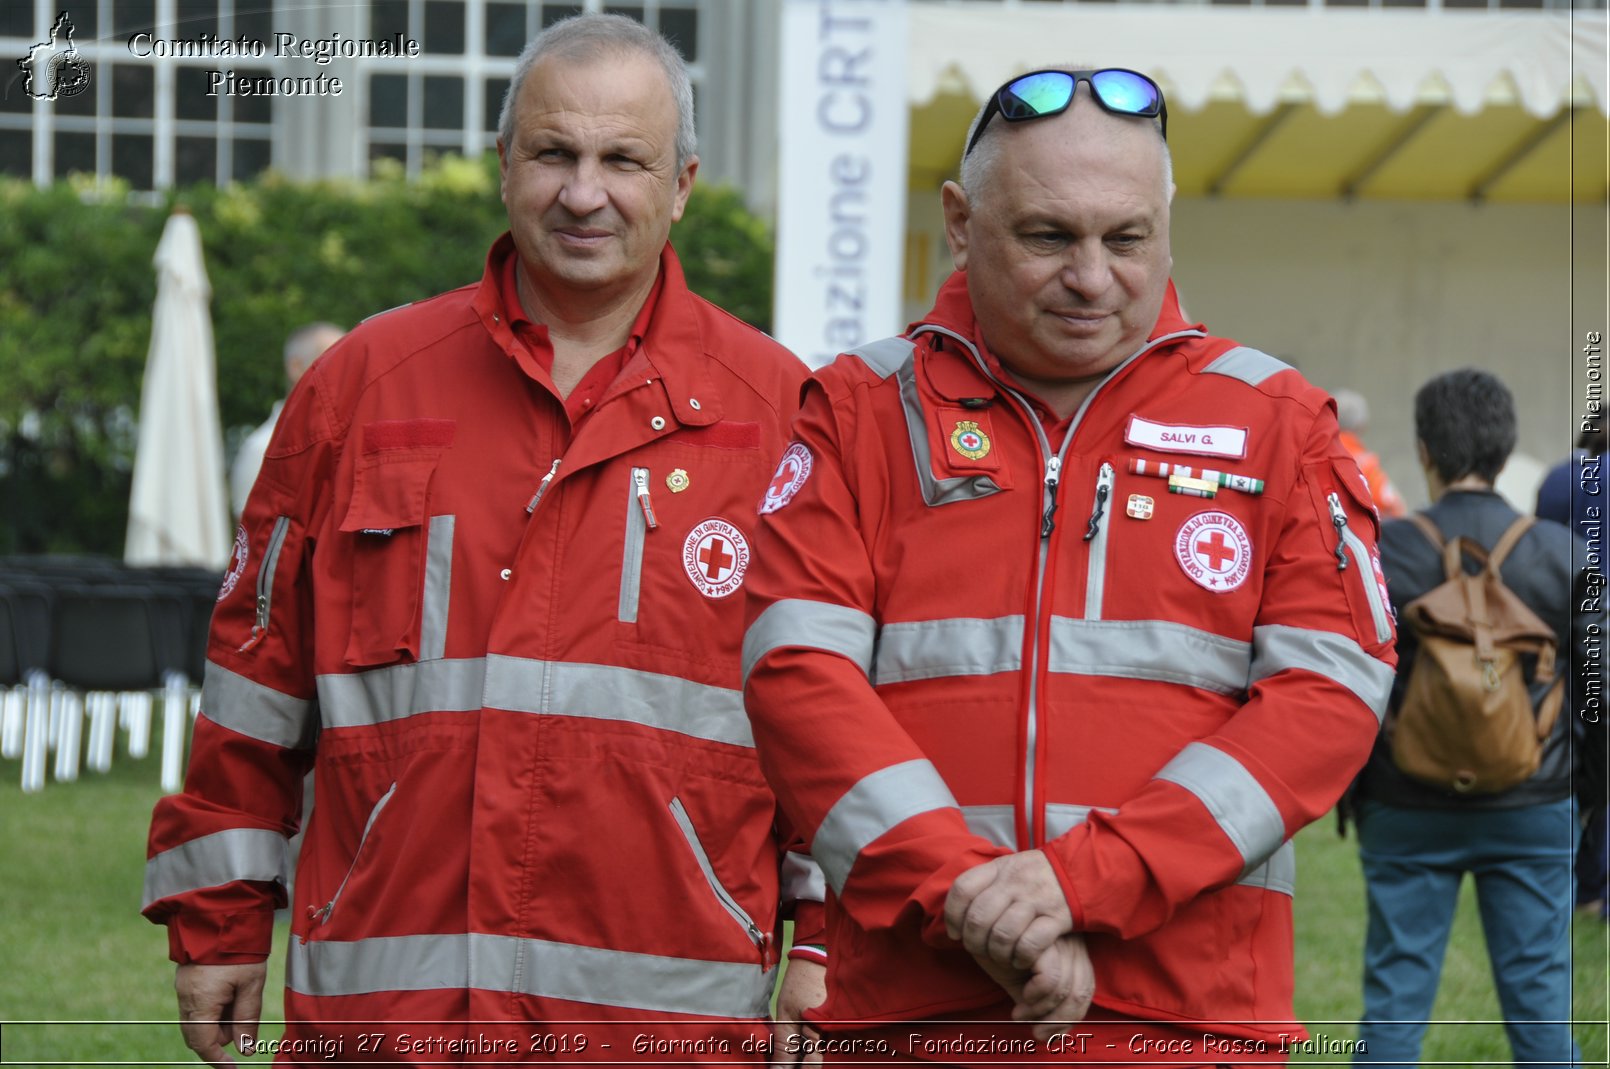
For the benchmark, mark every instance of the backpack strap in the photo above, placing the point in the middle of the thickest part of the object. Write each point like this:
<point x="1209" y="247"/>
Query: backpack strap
<point x="1423" y="524"/>
<point x="1507" y="540"/>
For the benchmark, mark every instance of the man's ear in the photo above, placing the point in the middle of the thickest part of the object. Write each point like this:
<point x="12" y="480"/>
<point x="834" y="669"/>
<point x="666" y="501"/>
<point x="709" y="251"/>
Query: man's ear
<point x="957" y="212"/>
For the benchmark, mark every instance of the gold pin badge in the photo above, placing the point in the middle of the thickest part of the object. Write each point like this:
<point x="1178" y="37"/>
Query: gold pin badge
<point x="677" y="481"/>
<point x="969" y="441"/>
<point x="1139" y="507"/>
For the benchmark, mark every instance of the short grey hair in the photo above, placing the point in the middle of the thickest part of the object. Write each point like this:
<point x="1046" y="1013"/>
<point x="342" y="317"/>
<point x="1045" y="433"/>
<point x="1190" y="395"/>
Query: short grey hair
<point x="978" y="164"/>
<point x="302" y="345"/>
<point x="1352" y="411"/>
<point x="591" y="37"/>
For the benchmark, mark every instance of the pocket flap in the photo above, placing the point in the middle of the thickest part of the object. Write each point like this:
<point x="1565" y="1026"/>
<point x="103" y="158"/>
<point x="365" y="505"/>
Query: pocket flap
<point x="389" y="492"/>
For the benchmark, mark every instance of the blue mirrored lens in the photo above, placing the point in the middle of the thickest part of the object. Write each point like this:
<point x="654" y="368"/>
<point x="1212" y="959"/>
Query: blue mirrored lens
<point x="1126" y="92"/>
<point x="1037" y="94"/>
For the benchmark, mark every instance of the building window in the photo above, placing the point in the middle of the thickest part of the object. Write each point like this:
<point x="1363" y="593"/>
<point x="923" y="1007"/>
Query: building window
<point x="449" y="99"/>
<point x="147" y="120"/>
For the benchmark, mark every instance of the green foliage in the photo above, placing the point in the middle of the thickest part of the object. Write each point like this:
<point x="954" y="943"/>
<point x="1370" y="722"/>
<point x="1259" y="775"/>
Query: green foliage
<point x="77" y="286"/>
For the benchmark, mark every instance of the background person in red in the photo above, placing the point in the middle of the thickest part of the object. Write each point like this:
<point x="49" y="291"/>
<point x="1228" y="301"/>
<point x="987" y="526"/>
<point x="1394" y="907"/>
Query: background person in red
<point x="489" y="598"/>
<point x="1065" y="619"/>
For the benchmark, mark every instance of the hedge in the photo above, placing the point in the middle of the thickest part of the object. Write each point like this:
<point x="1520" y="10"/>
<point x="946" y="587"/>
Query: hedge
<point x="77" y="286"/>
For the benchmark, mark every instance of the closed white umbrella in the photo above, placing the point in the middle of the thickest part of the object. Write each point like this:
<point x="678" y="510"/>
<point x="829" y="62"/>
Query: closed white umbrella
<point x="178" y="507"/>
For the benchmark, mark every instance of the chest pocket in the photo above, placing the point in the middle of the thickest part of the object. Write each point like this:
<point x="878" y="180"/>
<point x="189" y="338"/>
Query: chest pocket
<point x="401" y="561"/>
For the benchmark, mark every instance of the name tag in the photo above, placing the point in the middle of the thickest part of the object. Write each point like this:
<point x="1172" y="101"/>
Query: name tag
<point x="1183" y="438"/>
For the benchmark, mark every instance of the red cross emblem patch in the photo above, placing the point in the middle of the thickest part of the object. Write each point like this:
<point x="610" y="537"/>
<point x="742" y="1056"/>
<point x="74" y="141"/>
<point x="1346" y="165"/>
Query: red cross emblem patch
<point x="792" y="471"/>
<point x="1214" y="550"/>
<point x="716" y="556"/>
<point x="237" y="563"/>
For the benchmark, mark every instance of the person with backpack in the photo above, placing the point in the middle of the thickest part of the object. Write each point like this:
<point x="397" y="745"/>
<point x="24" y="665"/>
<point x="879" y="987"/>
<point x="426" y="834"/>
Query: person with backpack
<point x="1472" y="772"/>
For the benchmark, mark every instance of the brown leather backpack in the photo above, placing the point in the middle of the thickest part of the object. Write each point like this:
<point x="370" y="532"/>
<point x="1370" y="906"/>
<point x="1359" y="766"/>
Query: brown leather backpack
<point x="1467" y="723"/>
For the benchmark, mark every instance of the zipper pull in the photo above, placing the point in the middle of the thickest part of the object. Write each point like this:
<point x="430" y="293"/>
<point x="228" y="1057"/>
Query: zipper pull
<point x="1338" y="518"/>
<point x="640" y="480"/>
<point x="1103" y="488"/>
<point x="542" y="487"/>
<point x="1053" y="471"/>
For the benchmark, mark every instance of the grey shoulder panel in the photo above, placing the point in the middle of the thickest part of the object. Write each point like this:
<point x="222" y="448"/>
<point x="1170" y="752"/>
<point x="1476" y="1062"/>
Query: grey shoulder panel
<point x="1251" y="366"/>
<point x="886" y="355"/>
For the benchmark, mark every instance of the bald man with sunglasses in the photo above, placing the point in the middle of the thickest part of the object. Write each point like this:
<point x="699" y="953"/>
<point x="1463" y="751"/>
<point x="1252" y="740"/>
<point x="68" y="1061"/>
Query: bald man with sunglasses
<point x="1065" y="617"/>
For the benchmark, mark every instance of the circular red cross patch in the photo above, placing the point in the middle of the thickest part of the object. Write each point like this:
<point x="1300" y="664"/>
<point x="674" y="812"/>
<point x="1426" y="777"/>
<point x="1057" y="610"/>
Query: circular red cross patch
<point x="1214" y="550"/>
<point x="716" y="556"/>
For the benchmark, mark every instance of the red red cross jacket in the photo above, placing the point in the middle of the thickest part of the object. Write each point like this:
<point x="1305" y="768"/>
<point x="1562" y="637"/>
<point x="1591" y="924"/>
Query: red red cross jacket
<point x="967" y="638"/>
<point x="512" y="658"/>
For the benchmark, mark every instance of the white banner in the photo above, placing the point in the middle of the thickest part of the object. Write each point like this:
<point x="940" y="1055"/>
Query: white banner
<point x="841" y="196"/>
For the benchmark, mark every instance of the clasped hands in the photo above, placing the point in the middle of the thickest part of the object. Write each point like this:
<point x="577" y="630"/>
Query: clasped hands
<point x="1012" y="916"/>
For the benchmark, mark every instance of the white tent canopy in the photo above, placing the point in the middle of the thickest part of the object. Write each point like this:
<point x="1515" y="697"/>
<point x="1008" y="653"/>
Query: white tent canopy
<point x="1331" y="58"/>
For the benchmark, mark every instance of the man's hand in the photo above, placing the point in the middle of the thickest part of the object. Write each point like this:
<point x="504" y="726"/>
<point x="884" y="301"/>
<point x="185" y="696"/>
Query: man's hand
<point x="219" y="1006"/>
<point x="1010" y="910"/>
<point x="804" y="987"/>
<point x="1055" y="992"/>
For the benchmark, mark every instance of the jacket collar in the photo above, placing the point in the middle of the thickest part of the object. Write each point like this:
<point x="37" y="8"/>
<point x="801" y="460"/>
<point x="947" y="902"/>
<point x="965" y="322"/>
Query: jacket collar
<point x="959" y="377"/>
<point x="673" y="351"/>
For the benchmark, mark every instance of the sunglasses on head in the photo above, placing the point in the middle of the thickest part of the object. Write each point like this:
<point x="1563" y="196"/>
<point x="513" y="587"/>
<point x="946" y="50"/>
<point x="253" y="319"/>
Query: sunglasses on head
<point x="1040" y="94"/>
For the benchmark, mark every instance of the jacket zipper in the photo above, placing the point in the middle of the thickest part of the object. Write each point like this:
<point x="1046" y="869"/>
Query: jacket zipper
<point x="542" y="487"/>
<point x="322" y="913"/>
<point x="265" y="581"/>
<point x="1346" y="538"/>
<point x="1096" y="536"/>
<point x="639" y="521"/>
<point x="1053" y="471"/>
<point x="679" y="813"/>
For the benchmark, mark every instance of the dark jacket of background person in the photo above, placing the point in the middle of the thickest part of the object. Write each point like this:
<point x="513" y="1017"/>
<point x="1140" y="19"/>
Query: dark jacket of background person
<point x="1541" y="572"/>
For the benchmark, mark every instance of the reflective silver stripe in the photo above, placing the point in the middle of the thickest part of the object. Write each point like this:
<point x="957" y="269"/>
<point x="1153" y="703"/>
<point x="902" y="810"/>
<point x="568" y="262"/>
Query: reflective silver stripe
<point x="438" y="590"/>
<point x="214" y="860"/>
<point x="380" y="695"/>
<point x="1238" y="803"/>
<point x="870" y="809"/>
<point x="1063" y="817"/>
<point x="249" y="708"/>
<point x="607" y="692"/>
<point x="1279" y="873"/>
<point x="997" y="823"/>
<point x="885" y="355"/>
<point x="550" y="688"/>
<point x="802" y="879"/>
<point x="1158" y="650"/>
<point x="1279" y="648"/>
<point x="964" y="646"/>
<point x="632" y="554"/>
<point x="935" y="491"/>
<point x="1249" y="365"/>
<point x="533" y="967"/>
<point x="815" y="625"/>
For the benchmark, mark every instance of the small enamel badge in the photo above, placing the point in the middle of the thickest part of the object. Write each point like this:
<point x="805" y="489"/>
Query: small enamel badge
<point x="969" y="441"/>
<point x="677" y="481"/>
<point x="1214" y="550"/>
<point x="1140" y="507"/>
<point x="716" y="556"/>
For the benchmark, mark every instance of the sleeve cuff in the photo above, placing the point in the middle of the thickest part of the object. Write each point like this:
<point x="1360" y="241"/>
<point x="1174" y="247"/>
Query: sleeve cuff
<point x="220" y="938"/>
<point x="1066" y="883"/>
<point x="808" y="952"/>
<point x="810" y="923"/>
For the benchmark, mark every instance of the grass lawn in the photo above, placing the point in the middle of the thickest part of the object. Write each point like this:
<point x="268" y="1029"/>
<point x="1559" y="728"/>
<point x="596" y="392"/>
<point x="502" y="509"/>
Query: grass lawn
<point x="84" y="980"/>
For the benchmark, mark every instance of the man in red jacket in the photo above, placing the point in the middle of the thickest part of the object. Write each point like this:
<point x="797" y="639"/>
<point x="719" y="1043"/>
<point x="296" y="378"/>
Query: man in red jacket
<point x="489" y="587"/>
<point x="1065" y="617"/>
